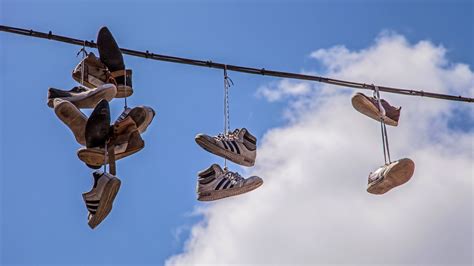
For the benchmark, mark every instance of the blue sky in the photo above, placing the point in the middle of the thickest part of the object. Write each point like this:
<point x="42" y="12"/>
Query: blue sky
<point x="43" y="218"/>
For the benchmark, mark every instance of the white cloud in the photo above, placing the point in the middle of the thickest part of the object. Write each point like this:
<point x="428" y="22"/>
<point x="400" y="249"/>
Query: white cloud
<point x="313" y="207"/>
<point x="283" y="89"/>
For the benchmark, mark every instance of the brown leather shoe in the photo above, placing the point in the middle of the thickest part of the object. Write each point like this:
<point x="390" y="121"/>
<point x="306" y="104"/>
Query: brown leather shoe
<point x="370" y="107"/>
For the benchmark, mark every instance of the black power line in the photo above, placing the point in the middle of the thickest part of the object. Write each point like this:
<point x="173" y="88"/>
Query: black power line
<point x="249" y="70"/>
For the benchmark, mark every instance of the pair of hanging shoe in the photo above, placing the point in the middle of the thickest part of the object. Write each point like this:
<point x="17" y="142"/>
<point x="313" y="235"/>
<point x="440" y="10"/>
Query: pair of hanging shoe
<point x="216" y="183"/>
<point x="391" y="174"/>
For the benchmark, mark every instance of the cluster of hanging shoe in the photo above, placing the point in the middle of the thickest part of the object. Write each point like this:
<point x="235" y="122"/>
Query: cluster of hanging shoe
<point x="393" y="173"/>
<point x="102" y="79"/>
<point x="239" y="147"/>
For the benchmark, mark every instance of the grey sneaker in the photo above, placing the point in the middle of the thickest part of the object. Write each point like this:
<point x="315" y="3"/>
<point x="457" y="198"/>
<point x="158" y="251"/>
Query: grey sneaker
<point x="83" y="97"/>
<point x="215" y="183"/>
<point x="389" y="176"/>
<point x="142" y="115"/>
<point x="100" y="199"/>
<point x="239" y="146"/>
<point x="370" y="107"/>
<point x="71" y="117"/>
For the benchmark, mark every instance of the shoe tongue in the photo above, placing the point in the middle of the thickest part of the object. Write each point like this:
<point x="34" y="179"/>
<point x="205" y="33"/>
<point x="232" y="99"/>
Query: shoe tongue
<point x="78" y="89"/>
<point x="97" y="175"/>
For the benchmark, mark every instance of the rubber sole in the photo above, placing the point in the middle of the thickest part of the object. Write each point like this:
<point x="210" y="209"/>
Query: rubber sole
<point x="398" y="175"/>
<point x="105" y="205"/>
<point x="73" y="118"/>
<point x="364" y="106"/>
<point x="91" y="99"/>
<point x="220" y="194"/>
<point x="236" y="158"/>
<point x="95" y="157"/>
<point x="123" y="91"/>
<point x="98" y="125"/>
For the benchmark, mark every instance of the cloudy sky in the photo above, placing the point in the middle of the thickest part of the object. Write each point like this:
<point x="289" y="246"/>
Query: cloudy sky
<point x="314" y="150"/>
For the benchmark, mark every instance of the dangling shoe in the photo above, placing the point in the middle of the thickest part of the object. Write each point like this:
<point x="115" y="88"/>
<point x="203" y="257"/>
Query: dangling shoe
<point x="239" y="146"/>
<point x="215" y="183"/>
<point x="72" y="117"/>
<point x="128" y="141"/>
<point x="389" y="176"/>
<point x="83" y="97"/>
<point x="142" y="115"/>
<point x="370" y="107"/>
<point x="100" y="199"/>
<point x="95" y="72"/>
<point x="98" y="125"/>
<point x="111" y="56"/>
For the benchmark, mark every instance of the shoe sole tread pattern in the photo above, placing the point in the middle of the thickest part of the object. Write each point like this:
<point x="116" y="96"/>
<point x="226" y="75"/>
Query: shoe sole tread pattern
<point x="398" y="175"/>
<point x="105" y="205"/>
<point x="364" y="106"/>
<point x="76" y="122"/>
<point x="212" y="148"/>
<point x="220" y="194"/>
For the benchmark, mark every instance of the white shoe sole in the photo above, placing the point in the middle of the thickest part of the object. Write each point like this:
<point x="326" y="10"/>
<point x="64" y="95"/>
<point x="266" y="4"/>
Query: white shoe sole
<point x="398" y="175"/>
<point x="214" y="149"/>
<point x="90" y="99"/>
<point x="364" y="106"/>
<point x="220" y="194"/>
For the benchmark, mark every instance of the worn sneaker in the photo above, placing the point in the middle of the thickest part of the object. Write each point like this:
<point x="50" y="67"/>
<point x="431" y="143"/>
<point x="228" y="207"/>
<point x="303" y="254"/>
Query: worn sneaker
<point x="370" y="107"/>
<point x="389" y="176"/>
<point x="127" y="142"/>
<point x="215" y="183"/>
<point x="111" y="56"/>
<point x="98" y="125"/>
<point x="100" y="199"/>
<point x="71" y="117"/>
<point x="83" y="97"/>
<point x="142" y="115"/>
<point x="95" y="72"/>
<point x="239" y="146"/>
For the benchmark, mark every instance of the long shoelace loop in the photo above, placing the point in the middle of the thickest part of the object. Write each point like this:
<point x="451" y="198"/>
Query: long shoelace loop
<point x="227" y="83"/>
<point x="84" y="54"/>
<point x="383" y="127"/>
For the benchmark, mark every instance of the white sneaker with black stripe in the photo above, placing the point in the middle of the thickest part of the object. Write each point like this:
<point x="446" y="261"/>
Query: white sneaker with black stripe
<point x="239" y="146"/>
<point x="216" y="183"/>
<point x="100" y="199"/>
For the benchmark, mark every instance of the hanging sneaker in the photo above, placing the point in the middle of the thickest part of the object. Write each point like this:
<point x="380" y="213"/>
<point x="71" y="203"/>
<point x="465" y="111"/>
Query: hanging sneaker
<point x="95" y="72"/>
<point x="370" y="107"/>
<point x="98" y="125"/>
<point x="239" y="146"/>
<point x="128" y="141"/>
<point x="111" y="56"/>
<point x="100" y="199"/>
<point x="83" y="97"/>
<point x="215" y="183"/>
<point x="389" y="176"/>
<point x="141" y="115"/>
<point x="71" y="117"/>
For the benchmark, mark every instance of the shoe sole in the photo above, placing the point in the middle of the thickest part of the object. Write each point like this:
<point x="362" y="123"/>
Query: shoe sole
<point x="105" y="205"/>
<point x="220" y="194"/>
<point x="364" y="106"/>
<point x="123" y="91"/>
<point x="91" y="99"/>
<point x="98" y="125"/>
<point x="94" y="157"/>
<point x="73" y="118"/>
<point x="212" y="148"/>
<point x="398" y="175"/>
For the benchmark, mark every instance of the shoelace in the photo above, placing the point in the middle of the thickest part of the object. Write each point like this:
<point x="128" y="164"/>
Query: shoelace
<point x="228" y="136"/>
<point x="234" y="177"/>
